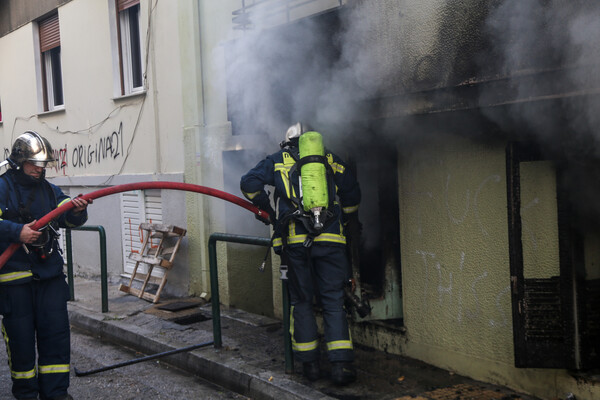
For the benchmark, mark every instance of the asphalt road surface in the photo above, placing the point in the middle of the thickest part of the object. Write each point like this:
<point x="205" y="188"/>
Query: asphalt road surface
<point x="151" y="379"/>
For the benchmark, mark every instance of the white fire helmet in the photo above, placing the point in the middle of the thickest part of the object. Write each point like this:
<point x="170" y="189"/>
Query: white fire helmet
<point x="32" y="147"/>
<point x="294" y="132"/>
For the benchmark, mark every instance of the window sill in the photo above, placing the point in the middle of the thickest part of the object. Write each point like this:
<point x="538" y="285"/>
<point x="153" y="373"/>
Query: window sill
<point x="130" y="96"/>
<point x="55" y="111"/>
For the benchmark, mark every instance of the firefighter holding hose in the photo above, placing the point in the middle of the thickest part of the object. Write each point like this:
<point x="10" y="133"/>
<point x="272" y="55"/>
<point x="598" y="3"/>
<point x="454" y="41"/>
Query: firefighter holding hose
<point x="33" y="290"/>
<point x="309" y="237"/>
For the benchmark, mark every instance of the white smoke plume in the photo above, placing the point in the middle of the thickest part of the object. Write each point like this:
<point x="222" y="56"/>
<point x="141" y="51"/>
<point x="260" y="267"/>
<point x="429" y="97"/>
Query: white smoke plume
<point x="317" y="70"/>
<point x="309" y="70"/>
<point x="537" y="36"/>
<point x="556" y="43"/>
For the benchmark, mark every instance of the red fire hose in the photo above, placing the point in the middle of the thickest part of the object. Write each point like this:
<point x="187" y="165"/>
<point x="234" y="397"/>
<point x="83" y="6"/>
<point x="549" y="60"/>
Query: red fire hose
<point x="136" y="186"/>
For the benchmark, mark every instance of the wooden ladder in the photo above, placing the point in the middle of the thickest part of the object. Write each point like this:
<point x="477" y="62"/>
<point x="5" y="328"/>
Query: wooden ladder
<point x="161" y="256"/>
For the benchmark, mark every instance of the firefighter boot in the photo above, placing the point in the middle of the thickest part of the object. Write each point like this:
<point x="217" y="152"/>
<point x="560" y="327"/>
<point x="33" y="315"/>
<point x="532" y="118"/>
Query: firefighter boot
<point x="342" y="373"/>
<point x="311" y="370"/>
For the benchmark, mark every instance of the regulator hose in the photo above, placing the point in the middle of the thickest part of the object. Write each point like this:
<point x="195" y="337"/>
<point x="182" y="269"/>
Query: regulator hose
<point x="188" y="187"/>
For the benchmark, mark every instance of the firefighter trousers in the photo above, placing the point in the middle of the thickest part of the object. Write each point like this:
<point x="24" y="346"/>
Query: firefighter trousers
<point x="319" y="271"/>
<point x="32" y="312"/>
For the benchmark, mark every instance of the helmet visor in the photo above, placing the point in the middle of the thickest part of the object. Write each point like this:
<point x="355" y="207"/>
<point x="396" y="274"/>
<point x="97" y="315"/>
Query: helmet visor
<point x="43" y="163"/>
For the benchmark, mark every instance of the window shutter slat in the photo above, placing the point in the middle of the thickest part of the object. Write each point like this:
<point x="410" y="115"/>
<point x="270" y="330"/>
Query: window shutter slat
<point x="125" y="4"/>
<point x="49" y="33"/>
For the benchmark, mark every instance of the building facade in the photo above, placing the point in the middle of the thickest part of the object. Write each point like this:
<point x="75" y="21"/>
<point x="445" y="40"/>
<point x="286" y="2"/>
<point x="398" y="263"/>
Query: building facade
<point x="472" y="130"/>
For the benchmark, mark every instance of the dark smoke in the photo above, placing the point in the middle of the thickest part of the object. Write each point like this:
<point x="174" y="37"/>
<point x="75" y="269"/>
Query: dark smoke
<point x="536" y="36"/>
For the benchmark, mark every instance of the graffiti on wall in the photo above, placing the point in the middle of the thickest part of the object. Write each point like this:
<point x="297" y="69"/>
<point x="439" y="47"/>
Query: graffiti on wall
<point x="134" y="248"/>
<point x="109" y="147"/>
<point x="456" y="284"/>
<point x="61" y="156"/>
<point x="103" y="149"/>
<point x="459" y="291"/>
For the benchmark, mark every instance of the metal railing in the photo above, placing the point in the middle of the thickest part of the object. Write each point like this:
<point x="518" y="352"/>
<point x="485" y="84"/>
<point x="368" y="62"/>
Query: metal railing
<point x="214" y="282"/>
<point x="103" y="268"/>
<point x="214" y="288"/>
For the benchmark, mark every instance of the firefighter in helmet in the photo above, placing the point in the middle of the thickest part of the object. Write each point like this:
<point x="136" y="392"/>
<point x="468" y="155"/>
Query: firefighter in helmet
<point x="315" y="194"/>
<point x="33" y="291"/>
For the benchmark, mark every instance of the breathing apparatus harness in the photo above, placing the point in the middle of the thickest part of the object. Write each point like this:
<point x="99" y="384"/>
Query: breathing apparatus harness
<point x="314" y="221"/>
<point x="43" y="247"/>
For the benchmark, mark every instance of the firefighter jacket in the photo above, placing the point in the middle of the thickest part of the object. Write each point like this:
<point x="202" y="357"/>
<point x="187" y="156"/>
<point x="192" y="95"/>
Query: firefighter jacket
<point x="37" y="197"/>
<point x="278" y="170"/>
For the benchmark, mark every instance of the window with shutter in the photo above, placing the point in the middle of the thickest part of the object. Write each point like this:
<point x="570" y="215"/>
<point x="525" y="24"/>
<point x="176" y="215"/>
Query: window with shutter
<point x="51" y="70"/>
<point x="137" y="207"/>
<point x="129" y="45"/>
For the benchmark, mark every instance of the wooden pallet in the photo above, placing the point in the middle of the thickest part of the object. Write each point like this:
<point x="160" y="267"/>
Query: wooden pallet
<point x="161" y="256"/>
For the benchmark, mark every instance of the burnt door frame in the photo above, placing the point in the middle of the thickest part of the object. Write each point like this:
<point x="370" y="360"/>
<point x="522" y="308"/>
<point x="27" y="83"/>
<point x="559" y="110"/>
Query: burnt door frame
<point x="544" y="310"/>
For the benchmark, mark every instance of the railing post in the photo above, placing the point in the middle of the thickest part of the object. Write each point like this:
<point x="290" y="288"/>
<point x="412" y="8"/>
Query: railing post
<point x="214" y="291"/>
<point x="215" y="300"/>
<point x="103" y="264"/>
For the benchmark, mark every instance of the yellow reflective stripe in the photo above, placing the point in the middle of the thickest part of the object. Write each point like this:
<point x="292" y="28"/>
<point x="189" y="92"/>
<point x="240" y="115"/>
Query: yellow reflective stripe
<point x="53" y="369"/>
<point x="250" y="196"/>
<point x="282" y="167"/>
<point x="15" y="374"/>
<point x="340" y="345"/>
<point x="13" y="276"/>
<point x="350" y="209"/>
<point x="277" y="242"/>
<point x="5" y="335"/>
<point x="323" y="237"/>
<point x="308" y="346"/>
<point x="23" y="374"/>
<point x="288" y="159"/>
<point x="64" y="201"/>
<point x="331" y="237"/>
<point x="300" y="346"/>
<point x="285" y="178"/>
<point x="292" y="325"/>
<point x="335" y="166"/>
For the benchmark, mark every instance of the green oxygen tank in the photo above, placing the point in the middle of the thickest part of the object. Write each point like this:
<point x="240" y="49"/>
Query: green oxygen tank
<point x="313" y="177"/>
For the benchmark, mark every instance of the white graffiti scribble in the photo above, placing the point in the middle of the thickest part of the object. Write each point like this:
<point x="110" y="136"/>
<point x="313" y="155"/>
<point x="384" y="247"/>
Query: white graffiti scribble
<point x="504" y="322"/>
<point x="459" y="220"/>
<point x="477" y="313"/>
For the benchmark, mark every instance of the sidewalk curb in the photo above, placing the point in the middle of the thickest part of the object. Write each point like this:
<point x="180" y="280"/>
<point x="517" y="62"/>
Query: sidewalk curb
<point x="208" y="363"/>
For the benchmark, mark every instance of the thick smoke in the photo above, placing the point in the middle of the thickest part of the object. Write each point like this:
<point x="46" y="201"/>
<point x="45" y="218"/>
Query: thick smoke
<point x="556" y="42"/>
<point x="316" y="70"/>
<point x="538" y="36"/>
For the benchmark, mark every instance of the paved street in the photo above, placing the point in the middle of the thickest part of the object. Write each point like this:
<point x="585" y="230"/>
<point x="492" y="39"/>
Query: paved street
<point x="145" y="380"/>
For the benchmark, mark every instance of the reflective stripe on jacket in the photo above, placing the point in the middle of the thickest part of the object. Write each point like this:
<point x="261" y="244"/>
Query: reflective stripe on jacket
<point x="40" y="197"/>
<point x="277" y="170"/>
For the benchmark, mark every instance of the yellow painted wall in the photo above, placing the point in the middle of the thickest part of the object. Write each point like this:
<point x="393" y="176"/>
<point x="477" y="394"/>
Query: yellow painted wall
<point x="539" y="220"/>
<point x="455" y="269"/>
<point x="455" y="262"/>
